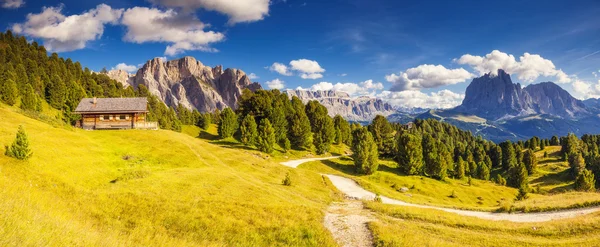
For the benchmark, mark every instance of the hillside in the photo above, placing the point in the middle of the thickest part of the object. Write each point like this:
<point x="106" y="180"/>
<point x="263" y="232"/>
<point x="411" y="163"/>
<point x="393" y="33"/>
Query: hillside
<point x="151" y="188"/>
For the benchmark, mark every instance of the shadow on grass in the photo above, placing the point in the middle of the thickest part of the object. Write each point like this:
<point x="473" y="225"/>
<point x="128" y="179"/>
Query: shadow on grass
<point x="344" y="168"/>
<point x="207" y="136"/>
<point x="549" y="161"/>
<point x="561" y="189"/>
<point x="554" y="178"/>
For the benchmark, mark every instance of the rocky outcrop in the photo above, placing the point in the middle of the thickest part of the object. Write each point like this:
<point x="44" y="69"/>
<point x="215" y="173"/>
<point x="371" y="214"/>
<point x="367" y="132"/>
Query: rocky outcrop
<point x="188" y="82"/>
<point x="352" y="109"/>
<point x="551" y="99"/>
<point x="496" y="97"/>
<point x="121" y="76"/>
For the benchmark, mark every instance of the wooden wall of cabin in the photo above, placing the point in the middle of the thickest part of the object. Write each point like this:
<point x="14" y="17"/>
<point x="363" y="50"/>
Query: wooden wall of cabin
<point x="111" y="121"/>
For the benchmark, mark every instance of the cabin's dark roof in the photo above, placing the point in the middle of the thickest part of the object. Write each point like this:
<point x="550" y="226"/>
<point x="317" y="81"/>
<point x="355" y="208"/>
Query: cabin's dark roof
<point x="112" y="105"/>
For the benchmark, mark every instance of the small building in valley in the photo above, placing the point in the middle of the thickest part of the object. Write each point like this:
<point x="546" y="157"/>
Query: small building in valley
<point x="114" y="113"/>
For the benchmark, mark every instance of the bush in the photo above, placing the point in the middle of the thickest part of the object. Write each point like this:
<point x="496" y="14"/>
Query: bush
<point x="20" y="146"/>
<point x="523" y="194"/>
<point x="287" y="181"/>
<point x="377" y="198"/>
<point x="585" y="181"/>
<point x="500" y="180"/>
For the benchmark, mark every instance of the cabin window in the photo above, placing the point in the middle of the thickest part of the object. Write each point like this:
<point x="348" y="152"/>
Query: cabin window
<point x="105" y="117"/>
<point x="122" y="117"/>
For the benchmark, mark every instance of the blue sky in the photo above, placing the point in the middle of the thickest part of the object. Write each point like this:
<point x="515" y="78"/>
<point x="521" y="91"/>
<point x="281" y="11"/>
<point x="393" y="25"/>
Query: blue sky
<point x="408" y="52"/>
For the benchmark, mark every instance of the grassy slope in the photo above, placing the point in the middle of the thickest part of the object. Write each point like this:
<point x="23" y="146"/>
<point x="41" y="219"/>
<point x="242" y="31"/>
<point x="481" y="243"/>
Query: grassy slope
<point x="151" y="188"/>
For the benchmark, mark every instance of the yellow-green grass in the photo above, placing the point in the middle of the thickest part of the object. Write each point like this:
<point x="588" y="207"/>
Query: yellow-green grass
<point x="151" y="188"/>
<point x="388" y="181"/>
<point x="452" y="193"/>
<point x="408" y="226"/>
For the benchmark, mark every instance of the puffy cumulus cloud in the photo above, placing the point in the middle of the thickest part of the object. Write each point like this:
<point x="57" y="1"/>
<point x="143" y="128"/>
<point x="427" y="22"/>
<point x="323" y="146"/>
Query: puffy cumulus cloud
<point x="528" y="68"/>
<point x="427" y="76"/>
<point x="307" y="69"/>
<point x="237" y="10"/>
<point x="586" y="90"/>
<point x="367" y="87"/>
<point x="67" y="33"/>
<point x="276" y="84"/>
<point x="183" y="32"/>
<point x="12" y="4"/>
<point x="252" y="76"/>
<point x="280" y="68"/>
<point x="125" y="67"/>
<point x="411" y="98"/>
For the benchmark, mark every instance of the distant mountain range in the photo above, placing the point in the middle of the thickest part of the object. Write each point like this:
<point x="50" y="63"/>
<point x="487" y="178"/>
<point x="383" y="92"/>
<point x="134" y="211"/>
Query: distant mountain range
<point x="357" y="109"/>
<point x="498" y="109"/>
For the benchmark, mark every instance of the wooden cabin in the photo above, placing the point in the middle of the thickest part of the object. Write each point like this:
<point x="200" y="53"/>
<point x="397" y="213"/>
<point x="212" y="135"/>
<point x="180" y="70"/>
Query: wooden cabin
<point x="114" y="113"/>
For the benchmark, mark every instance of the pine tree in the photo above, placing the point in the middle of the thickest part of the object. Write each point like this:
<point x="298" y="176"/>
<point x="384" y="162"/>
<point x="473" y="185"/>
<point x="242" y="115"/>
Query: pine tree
<point x="56" y="92"/>
<point x="266" y="136"/>
<point x="29" y="100"/>
<point x="280" y="124"/>
<point x="585" y="181"/>
<point x="409" y="154"/>
<point x="321" y="125"/>
<point x="543" y="145"/>
<point x="530" y="161"/>
<point x="300" y="134"/>
<point x="248" y="130"/>
<point x="343" y="132"/>
<point x="20" y="147"/>
<point x="483" y="172"/>
<point x="509" y="157"/>
<point x="577" y="163"/>
<point x="228" y="125"/>
<point x="518" y="176"/>
<point x="383" y="134"/>
<point x="496" y="156"/>
<point x="459" y="168"/>
<point x="204" y="121"/>
<point x="364" y="151"/>
<point x="9" y="92"/>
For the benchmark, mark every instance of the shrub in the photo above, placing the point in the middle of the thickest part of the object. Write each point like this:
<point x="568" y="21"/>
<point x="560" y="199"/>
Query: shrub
<point x="585" y="181"/>
<point x="377" y="198"/>
<point x="500" y="180"/>
<point x="20" y="146"/>
<point x="287" y="181"/>
<point x="523" y="194"/>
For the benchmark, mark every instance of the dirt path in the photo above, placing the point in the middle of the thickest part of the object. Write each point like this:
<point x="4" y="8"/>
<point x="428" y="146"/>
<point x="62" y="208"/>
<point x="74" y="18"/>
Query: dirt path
<point x="296" y="163"/>
<point x="353" y="190"/>
<point x="347" y="222"/>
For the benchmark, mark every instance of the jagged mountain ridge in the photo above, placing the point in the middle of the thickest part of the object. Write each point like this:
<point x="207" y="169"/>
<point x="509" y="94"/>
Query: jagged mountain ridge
<point x="496" y="97"/>
<point x="188" y="82"/>
<point x="358" y="109"/>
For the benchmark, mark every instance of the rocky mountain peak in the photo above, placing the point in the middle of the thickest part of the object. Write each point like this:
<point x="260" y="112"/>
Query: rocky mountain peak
<point x="496" y="97"/>
<point x="189" y="82"/>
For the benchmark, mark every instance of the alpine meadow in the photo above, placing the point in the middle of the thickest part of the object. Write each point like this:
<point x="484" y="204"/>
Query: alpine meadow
<point x="119" y="126"/>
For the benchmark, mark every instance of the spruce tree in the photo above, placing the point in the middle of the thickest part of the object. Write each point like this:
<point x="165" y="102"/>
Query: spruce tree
<point x="409" y="154"/>
<point x="483" y="172"/>
<point x="585" y="181"/>
<point x="343" y="132"/>
<point x="299" y="132"/>
<point x="56" y="92"/>
<point x="29" y="100"/>
<point x="228" y="124"/>
<point x="459" y="168"/>
<point x="577" y="163"/>
<point x="530" y="161"/>
<point x="248" y="130"/>
<point x="9" y="92"/>
<point x="383" y="134"/>
<point x="509" y="157"/>
<point x="321" y="125"/>
<point x="364" y="151"/>
<point x="20" y="146"/>
<point x="266" y="136"/>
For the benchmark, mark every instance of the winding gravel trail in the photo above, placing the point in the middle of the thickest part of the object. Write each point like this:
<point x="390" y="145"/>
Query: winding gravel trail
<point x="353" y="190"/>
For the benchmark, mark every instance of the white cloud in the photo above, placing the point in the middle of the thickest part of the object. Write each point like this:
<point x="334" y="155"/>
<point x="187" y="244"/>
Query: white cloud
<point x="183" y="32"/>
<point x="343" y="74"/>
<point x="125" y="67"/>
<point x="252" y="76"/>
<point x="67" y="33"/>
<point x="528" y="68"/>
<point x="311" y="76"/>
<point x="276" y="84"/>
<point x="427" y="76"/>
<point x="12" y="4"/>
<point x="586" y="90"/>
<point x="237" y="10"/>
<point x="411" y="98"/>
<point x="367" y="87"/>
<point x="281" y="69"/>
<point x="307" y="69"/>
